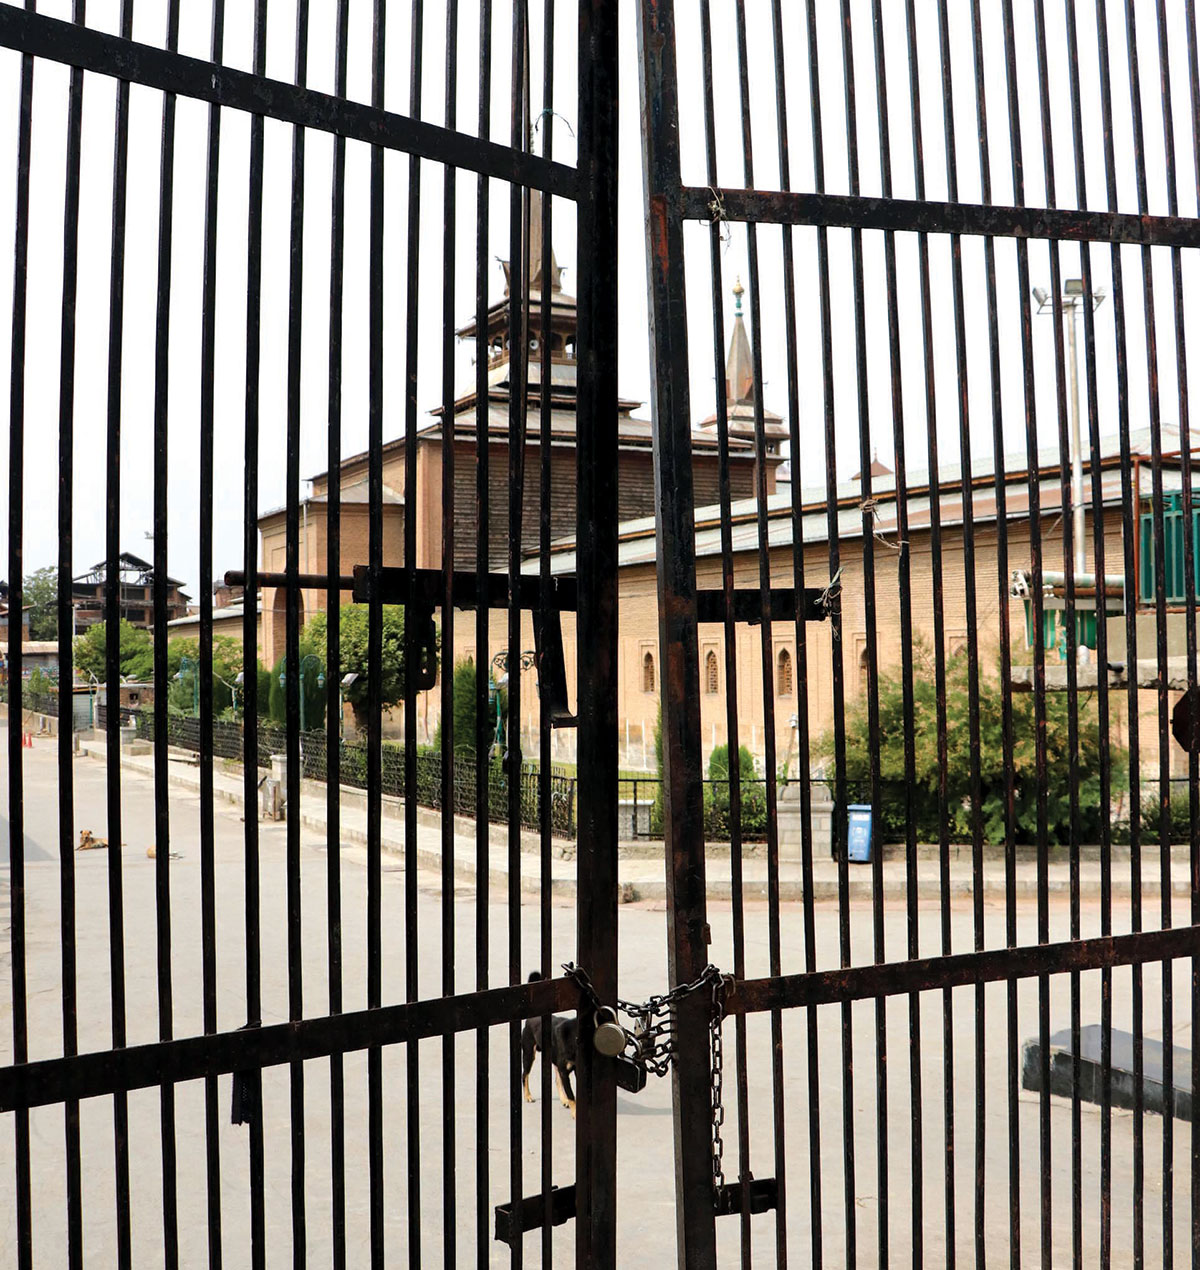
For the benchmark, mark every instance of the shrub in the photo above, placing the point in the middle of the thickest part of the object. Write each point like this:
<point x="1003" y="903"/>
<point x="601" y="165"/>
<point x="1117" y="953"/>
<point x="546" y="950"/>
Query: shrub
<point x="922" y="794"/>
<point x="718" y="803"/>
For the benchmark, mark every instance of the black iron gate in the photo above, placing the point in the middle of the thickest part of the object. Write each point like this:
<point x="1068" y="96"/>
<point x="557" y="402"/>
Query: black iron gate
<point x="352" y="158"/>
<point x="1000" y="646"/>
<point x="937" y="656"/>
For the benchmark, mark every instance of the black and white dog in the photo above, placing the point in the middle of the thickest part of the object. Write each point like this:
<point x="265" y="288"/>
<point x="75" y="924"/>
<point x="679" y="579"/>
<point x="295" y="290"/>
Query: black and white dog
<point x="563" y="1042"/>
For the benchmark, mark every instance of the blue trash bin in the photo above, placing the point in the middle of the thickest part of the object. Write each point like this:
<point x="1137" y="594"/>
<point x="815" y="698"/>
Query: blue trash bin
<point x="859" y="833"/>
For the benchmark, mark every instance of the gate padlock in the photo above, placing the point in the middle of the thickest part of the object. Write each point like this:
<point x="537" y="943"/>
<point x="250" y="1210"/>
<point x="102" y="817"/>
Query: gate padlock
<point x="609" y="1037"/>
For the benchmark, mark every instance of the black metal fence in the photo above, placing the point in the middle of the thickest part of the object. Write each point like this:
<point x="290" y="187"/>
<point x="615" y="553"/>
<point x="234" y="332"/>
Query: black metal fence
<point x="185" y="732"/>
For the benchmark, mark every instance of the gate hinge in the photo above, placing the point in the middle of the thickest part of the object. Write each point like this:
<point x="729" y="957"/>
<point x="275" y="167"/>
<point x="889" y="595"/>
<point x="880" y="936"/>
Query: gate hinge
<point x="531" y="1213"/>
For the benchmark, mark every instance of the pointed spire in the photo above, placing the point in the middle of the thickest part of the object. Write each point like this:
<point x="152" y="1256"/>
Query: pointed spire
<point x="739" y="367"/>
<point x="535" y="253"/>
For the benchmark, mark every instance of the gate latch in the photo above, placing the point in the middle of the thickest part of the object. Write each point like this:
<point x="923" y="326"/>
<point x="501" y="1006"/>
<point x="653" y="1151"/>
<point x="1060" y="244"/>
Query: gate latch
<point x="532" y="1213"/>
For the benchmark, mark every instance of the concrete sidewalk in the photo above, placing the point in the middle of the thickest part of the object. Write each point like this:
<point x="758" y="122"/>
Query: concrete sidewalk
<point x="641" y="868"/>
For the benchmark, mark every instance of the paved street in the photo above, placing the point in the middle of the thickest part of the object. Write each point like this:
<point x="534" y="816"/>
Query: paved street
<point x="645" y="1187"/>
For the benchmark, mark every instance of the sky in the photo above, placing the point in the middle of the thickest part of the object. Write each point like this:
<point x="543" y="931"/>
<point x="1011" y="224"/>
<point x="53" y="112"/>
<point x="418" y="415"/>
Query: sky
<point x="425" y="273"/>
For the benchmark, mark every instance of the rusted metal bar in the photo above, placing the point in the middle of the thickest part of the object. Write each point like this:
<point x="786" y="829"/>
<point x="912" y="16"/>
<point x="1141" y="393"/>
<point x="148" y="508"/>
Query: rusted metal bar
<point x="848" y="211"/>
<point x="858" y="983"/>
<point x="688" y="935"/>
<point x="172" y="72"/>
<point x="105" y="1072"/>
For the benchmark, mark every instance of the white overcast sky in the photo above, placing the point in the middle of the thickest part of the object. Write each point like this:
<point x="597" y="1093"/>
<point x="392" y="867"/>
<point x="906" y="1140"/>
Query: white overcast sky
<point x="426" y="273"/>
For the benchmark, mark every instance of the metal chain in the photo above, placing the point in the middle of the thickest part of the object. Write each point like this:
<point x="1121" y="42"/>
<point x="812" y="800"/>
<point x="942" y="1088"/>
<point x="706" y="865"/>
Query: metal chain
<point x="653" y="1039"/>
<point x="718" y="1075"/>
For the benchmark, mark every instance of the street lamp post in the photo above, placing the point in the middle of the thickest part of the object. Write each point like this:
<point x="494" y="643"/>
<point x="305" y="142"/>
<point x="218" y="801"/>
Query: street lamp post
<point x="500" y="662"/>
<point x="304" y="665"/>
<point x="94" y="686"/>
<point x="347" y="680"/>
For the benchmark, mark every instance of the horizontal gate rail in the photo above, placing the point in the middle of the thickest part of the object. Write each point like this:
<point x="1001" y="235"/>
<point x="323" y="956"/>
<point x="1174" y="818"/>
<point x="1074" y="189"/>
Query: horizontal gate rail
<point x="846" y="211"/>
<point x="107" y="1072"/>
<point x="36" y="35"/>
<point x="893" y="978"/>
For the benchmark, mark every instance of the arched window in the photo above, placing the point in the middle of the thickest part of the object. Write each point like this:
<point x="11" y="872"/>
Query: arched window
<point x="864" y="672"/>
<point x="710" y="672"/>
<point x="783" y="673"/>
<point x="648" y="672"/>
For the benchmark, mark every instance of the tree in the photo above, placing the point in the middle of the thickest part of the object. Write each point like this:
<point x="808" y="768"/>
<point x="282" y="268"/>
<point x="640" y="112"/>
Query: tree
<point x="135" y="656"/>
<point x="463" y="710"/>
<point x="353" y="629"/>
<point x="39" y="689"/>
<point x="40" y="592"/>
<point x="920" y="798"/>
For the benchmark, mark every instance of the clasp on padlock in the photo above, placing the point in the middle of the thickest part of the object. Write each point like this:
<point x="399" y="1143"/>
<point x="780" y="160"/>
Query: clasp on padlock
<point x="609" y="1037"/>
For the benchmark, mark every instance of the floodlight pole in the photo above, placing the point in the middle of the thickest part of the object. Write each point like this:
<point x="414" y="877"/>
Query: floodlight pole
<point x="1072" y="307"/>
<point x="1068" y="303"/>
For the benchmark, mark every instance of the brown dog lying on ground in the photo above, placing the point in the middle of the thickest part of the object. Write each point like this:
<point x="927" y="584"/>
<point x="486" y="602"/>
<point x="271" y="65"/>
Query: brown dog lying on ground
<point x="89" y="842"/>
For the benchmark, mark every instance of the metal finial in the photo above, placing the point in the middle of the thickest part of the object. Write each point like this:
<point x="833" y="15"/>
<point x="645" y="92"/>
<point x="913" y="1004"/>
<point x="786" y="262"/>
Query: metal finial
<point x="738" y="292"/>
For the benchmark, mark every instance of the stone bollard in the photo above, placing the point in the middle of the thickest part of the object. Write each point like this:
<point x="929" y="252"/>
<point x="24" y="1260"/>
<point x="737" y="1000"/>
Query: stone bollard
<point x="274" y="789"/>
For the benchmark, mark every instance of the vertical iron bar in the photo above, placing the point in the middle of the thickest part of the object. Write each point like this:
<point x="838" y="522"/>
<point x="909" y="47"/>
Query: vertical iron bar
<point x="376" y="354"/>
<point x="412" y="1051"/>
<point x="482" y="651"/>
<point x="1166" y="823"/>
<point x="688" y="934"/>
<point x="966" y="475"/>
<point x="112" y="652"/>
<point x="1102" y="702"/>
<point x="518" y="380"/>
<point x="545" y="491"/>
<point x="1006" y="722"/>
<point x="1190" y="622"/>
<point x="1102" y="696"/>
<point x="904" y="580"/>
<point x="1160" y="624"/>
<point x="162" y="871"/>
<point x="449" y="740"/>
<point x="866" y="506"/>
<point x="254" y="236"/>
<point x="1129" y="498"/>
<point x="838" y="836"/>
<point x="16" y="595"/>
<point x="766" y="645"/>
<point x="1016" y="153"/>
<point x="801" y="633"/>
<point x="66" y="636"/>
<point x="1069" y="551"/>
<point x="208" y="916"/>
<point x="728" y="584"/>
<point x="333" y="650"/>
<point x="294" y="672"/>
<point x="597" y="487"/>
